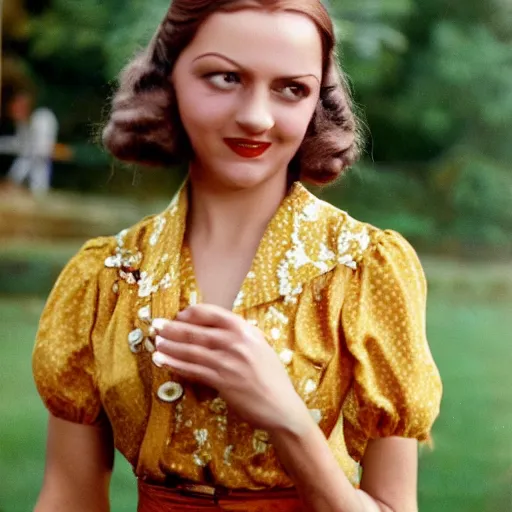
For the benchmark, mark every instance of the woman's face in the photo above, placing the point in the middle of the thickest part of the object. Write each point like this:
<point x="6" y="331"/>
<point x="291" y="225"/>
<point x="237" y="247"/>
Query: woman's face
<point x="247" y="87"/>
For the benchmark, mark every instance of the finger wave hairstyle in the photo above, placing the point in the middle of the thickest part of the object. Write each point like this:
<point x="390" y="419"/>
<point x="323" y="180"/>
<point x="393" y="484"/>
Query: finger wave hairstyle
<point x="144" y="126"/>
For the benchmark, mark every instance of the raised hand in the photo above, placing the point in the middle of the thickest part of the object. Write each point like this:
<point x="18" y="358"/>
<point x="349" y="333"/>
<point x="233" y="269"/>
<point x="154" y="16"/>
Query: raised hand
<point x="214" y="346"/>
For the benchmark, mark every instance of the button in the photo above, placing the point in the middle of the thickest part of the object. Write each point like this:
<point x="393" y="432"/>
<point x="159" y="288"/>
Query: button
<point x="148" y="345"/>
<point x="135" y="339"/>
<point x="135" y="336"/>
<point x="170" y="391"/>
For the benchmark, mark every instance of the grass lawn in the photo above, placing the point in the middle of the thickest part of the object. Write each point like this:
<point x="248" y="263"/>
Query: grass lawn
<point x="470" y="469"/>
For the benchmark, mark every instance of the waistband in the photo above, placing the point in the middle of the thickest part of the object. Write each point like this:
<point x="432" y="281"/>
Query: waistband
<point x="181" y="495"/>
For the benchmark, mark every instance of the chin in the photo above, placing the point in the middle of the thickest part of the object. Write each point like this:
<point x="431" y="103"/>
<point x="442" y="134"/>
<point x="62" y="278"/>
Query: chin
<point x="243" y="175"/>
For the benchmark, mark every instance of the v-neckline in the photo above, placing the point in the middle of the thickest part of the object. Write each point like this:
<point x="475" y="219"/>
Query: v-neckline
<point x="277" y="268"/>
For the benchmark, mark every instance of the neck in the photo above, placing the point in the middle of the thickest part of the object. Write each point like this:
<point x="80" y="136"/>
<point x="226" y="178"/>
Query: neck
<point x="221" y="217"/>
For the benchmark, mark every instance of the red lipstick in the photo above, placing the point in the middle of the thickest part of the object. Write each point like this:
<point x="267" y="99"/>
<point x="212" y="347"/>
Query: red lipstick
<point x="247" y="148"/>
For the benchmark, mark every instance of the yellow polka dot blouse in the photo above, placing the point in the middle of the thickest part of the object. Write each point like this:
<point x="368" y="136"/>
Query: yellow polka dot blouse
<point x="341" y="302"/>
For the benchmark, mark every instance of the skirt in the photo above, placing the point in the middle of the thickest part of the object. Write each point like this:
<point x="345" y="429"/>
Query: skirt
<point x="154" y="498"/>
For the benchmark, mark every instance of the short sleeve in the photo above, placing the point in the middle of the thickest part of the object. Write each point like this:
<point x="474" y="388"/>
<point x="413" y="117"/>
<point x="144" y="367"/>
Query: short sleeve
<point x="63" y="360"/>
<point x="396" y="388"/>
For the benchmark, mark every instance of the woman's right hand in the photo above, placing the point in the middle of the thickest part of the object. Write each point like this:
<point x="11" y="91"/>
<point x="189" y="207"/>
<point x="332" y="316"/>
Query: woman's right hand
<point x="214" y="346"/>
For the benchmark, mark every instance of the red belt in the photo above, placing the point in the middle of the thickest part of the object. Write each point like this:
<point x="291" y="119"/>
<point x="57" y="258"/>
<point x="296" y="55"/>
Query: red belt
<point x="185" y="496"/>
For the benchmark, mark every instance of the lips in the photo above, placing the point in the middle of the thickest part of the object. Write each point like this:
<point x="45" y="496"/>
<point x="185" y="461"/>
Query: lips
<point x="247" y="148"/>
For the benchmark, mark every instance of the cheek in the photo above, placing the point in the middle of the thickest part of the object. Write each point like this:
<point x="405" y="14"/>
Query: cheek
<point x="294" y="122"/>
<point x="203" y="112"/>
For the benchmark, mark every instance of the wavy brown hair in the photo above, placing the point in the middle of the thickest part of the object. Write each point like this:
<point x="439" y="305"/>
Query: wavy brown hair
<point x="145" y="127"/>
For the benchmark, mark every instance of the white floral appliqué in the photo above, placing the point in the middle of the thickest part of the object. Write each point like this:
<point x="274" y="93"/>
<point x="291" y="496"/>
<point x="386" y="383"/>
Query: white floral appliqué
<point x="296" y="257"/>
<point x="347" y="239"/>
<point x="159" y="224"/>
<point x="146" y="286"/>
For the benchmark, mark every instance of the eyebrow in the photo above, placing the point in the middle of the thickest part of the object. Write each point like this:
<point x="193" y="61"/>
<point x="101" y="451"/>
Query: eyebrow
<point x="234" y="63"/>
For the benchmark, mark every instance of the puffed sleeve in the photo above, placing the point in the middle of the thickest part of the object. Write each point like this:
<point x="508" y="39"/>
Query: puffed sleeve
<point x="396" y="388"/>
<point x="63" y="360"/>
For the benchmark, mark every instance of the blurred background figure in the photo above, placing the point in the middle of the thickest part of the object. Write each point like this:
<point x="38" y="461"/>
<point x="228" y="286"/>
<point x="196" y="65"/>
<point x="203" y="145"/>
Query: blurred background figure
<point x="33" y="143"/>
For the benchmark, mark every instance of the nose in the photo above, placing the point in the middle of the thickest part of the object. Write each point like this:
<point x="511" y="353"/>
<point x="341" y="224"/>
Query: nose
<point x="254" y="114"/>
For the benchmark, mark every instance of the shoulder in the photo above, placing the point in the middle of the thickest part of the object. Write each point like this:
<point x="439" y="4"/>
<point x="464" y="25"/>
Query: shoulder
<point x="353" y="243"/>
<point x="123" y="249"/>
<point x="322" y="238"/>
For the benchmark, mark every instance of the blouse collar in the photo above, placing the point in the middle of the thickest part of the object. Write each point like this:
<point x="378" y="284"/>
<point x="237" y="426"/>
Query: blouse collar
<point x="306" y="238"/>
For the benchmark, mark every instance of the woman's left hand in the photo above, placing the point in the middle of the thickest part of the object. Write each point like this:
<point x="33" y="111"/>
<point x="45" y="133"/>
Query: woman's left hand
<point x="214" y="346"/>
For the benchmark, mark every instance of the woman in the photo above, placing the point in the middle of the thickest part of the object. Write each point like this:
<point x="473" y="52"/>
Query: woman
<point x="252" y="346"/>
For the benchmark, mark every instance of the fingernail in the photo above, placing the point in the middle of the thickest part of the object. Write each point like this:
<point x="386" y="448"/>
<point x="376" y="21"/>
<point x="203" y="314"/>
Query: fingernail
<point x="158" y="359"/>
<point x="159" y="323"/>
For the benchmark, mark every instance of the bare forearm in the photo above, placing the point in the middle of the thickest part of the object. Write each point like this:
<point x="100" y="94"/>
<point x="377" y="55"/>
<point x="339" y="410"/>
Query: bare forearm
<point x="65" y="503"/>
<point x="65" y="494"/>
<point x="79" y="464"/>
<point x="322" y="485"/>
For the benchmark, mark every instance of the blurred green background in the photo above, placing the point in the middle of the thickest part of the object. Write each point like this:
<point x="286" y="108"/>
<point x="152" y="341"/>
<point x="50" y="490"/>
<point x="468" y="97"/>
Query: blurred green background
<point x="433" y="82"/>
